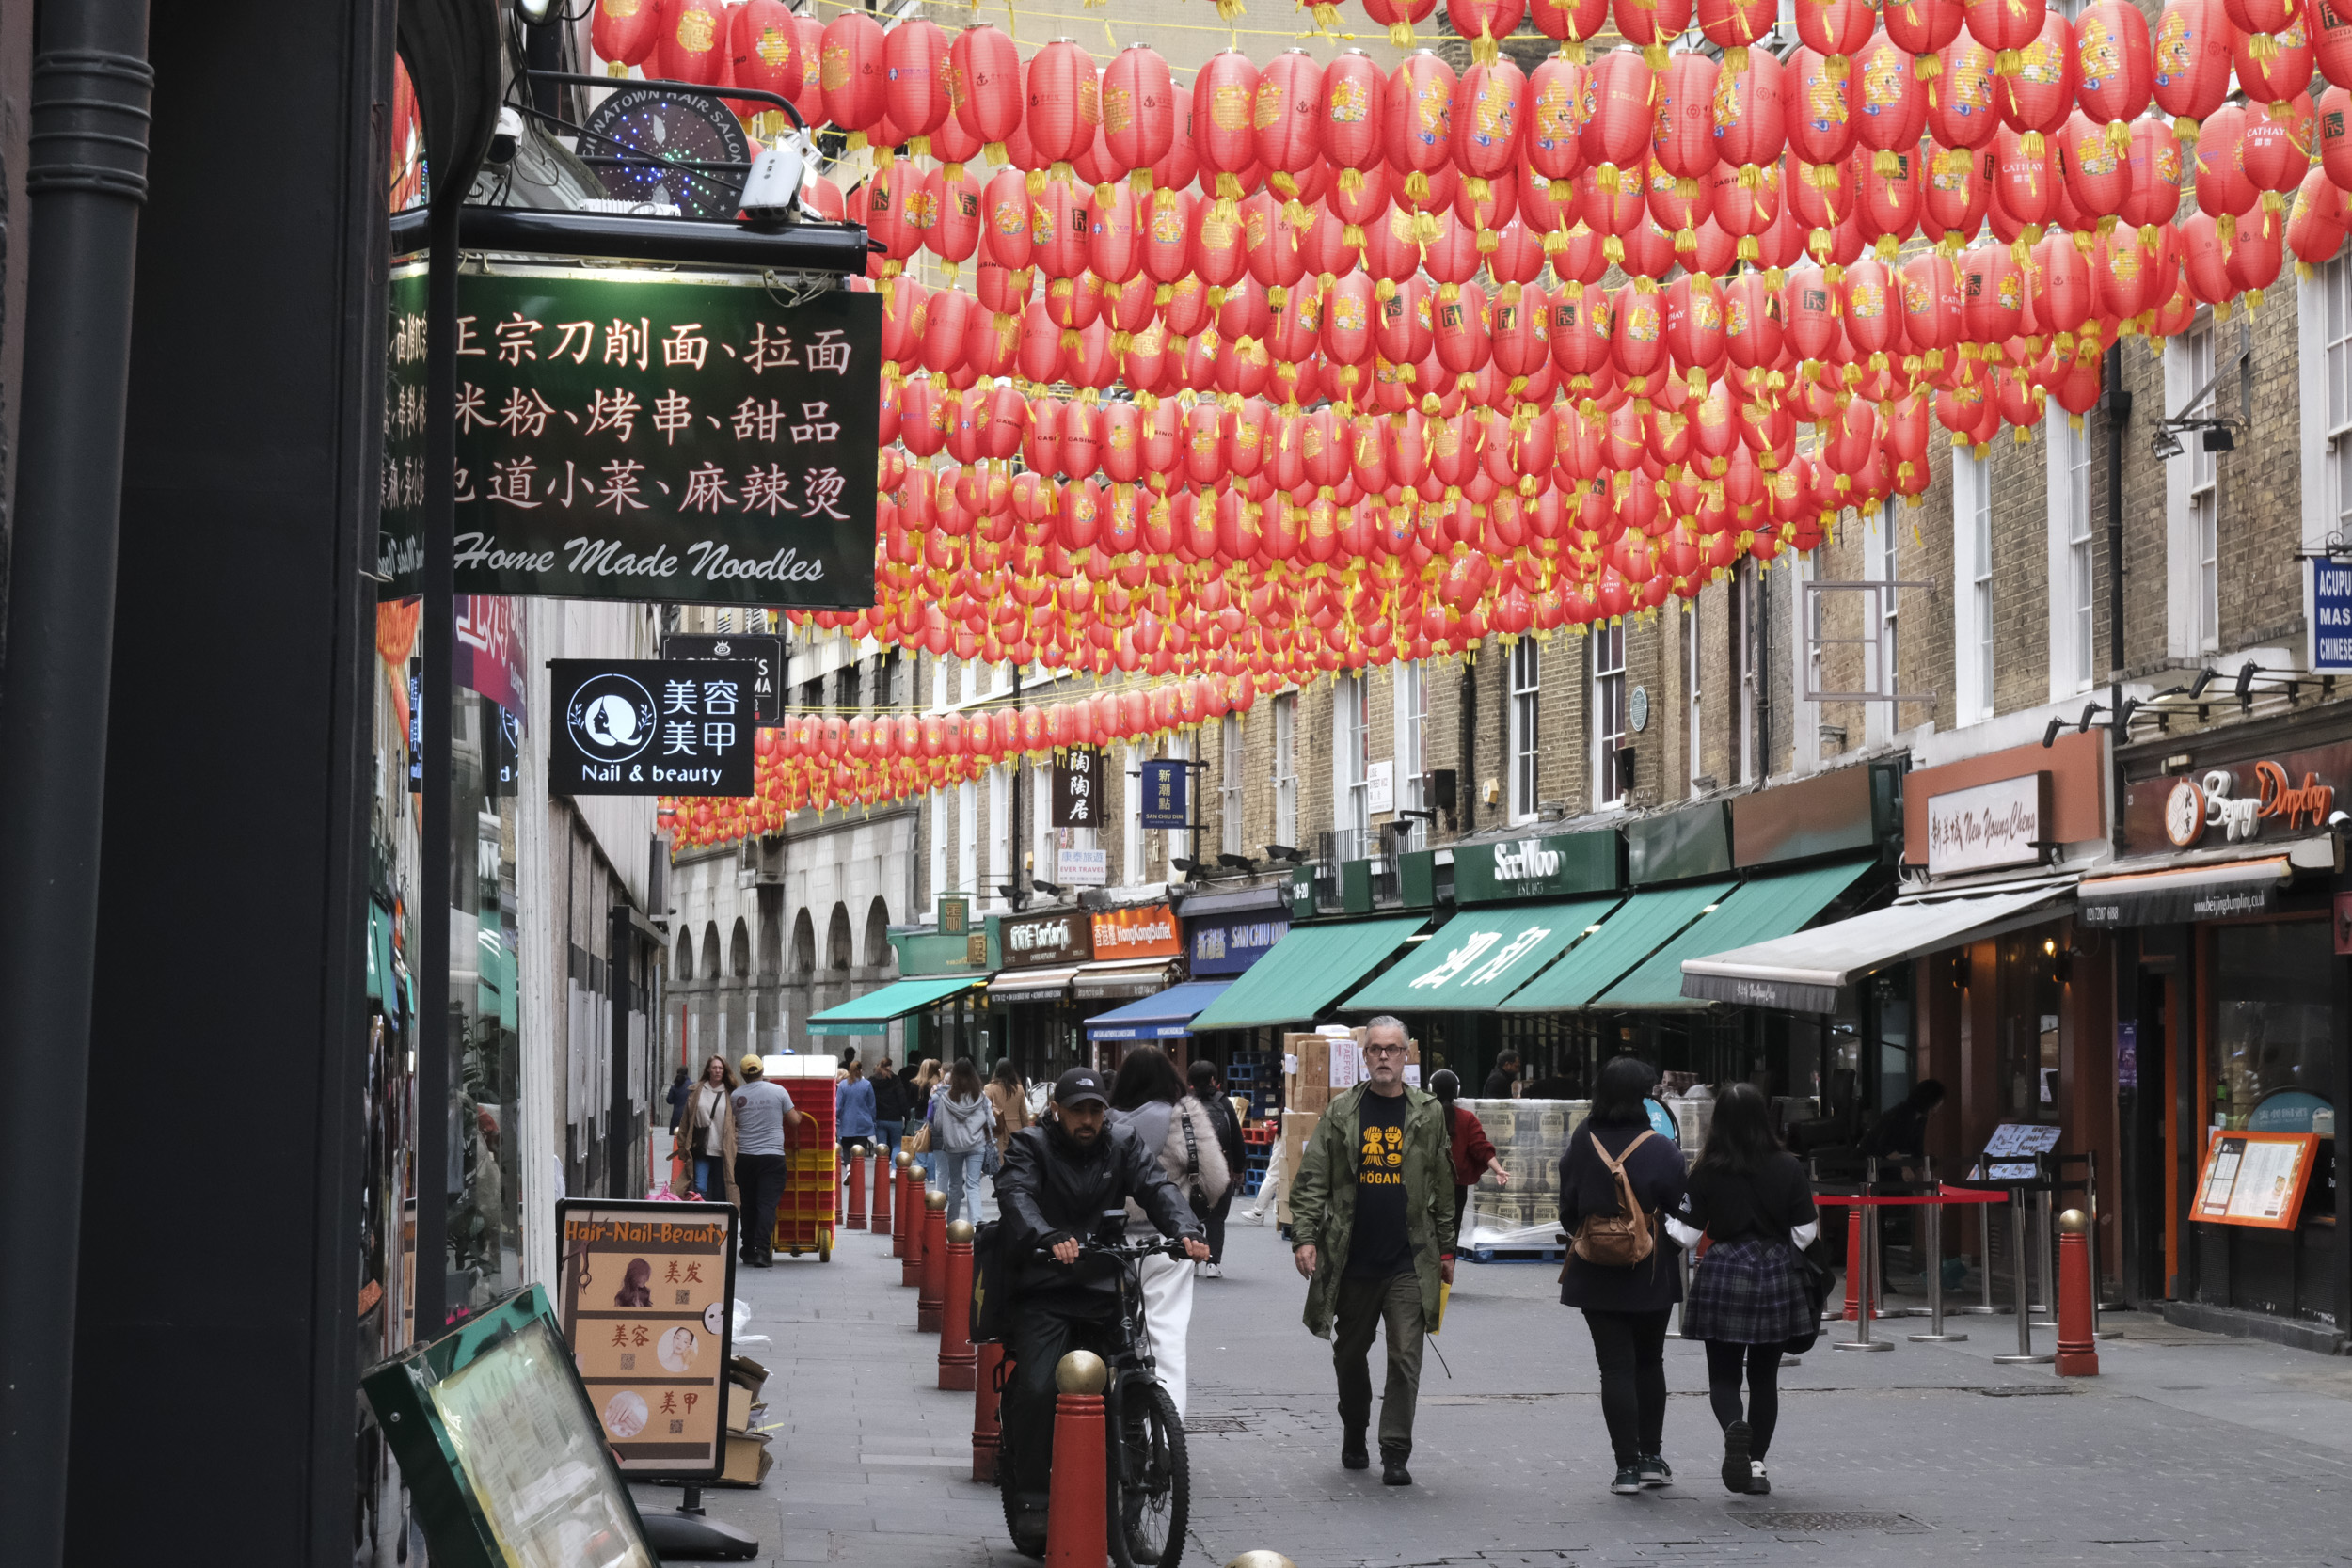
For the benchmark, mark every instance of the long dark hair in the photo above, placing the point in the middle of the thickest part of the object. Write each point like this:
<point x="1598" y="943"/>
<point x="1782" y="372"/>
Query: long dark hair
<point x="1007" y="1076"/>
<point x="964" y="1080"/>
<point x="1446" y="1086"/>
<point x="1624" y="1083"/>
<point x="1146" y="1077"/>
<point x="1739" y="1139"/>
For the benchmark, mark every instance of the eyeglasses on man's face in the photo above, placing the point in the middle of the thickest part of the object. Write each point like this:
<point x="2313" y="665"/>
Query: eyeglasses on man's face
<point x="1384" y="1050"/>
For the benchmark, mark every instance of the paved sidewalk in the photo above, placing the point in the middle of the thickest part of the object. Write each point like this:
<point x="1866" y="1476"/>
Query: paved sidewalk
<point x="2190" y="1448"/>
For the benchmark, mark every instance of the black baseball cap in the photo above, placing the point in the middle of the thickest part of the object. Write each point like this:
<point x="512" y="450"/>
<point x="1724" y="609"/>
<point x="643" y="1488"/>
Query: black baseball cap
<point x="1080" y="1084"/>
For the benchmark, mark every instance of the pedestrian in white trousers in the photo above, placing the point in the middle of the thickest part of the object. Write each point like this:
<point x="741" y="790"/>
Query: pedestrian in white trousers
<point x="1149" y="1099"/>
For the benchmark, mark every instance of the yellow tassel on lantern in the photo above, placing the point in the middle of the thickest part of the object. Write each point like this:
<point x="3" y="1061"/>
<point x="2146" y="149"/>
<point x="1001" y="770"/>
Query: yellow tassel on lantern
<point x="1417" y="186"/>
<point x="2184" y="128"/>
<point x="1401" y="34"/>
<point x="1484" y="49"/>
<point x="2253" y="299"/>
<point x="2226" y="226"/>
<point x="1035" y="183"/>
<point x="1488" y="242"/>
<point x="1654" y="57"/>
<point x="2271" y="204"/>
<point x="2006" y="63"/>
<point x="1560" y="190"/>
<point x="856" y="142"/>
<point x="1887" y="248"/>
<point x="1426" y="230"/>
<point x="1326" y="16"/>
<point x="1384" y="290"/>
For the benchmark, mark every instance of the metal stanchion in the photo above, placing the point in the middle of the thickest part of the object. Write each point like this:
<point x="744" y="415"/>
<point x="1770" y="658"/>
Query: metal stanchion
<point x="1935" y="1334"/>
<point x="1862" y="1339"/>
<point x="2091" y="1236"/>
<point x="2025" y="1316"/>
<point x="1984" y="1264"/>
<point x="2044" y="1254"/>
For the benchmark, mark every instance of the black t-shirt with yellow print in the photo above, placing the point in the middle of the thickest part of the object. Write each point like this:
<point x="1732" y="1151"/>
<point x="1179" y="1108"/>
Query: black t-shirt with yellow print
<point x="1379" y="1246"/>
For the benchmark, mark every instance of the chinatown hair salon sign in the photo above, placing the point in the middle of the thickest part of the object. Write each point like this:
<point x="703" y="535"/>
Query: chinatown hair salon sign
<point x="644" y="1298"/>
<point x="646" y="726"/>
<point x="676" y="441"/>
<point x="1990" y="826"/>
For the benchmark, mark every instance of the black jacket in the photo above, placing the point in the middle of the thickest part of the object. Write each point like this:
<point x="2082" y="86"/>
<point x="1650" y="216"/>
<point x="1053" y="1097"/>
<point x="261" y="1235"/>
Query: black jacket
<point x="890" y="1098"/>
<point x="1227" y="1133"/>
<point x="1048" y="1192"/>
<point x="1586" y="1187"/>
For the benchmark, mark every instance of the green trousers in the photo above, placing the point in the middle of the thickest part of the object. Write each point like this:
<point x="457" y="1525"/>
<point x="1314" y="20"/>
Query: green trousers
<point x="1364" y="1306"/>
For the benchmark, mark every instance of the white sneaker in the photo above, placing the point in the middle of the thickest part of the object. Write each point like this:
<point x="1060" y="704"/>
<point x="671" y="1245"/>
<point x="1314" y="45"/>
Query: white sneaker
<point x="1213" y="1270"/>
<point x="1759" y="1483"/>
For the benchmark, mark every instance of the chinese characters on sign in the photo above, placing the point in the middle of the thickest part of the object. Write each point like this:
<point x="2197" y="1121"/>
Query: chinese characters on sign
<point x="644" y="1300"/>
<point x="1164" y="796"/>
<point x="1136" y="931"/>
<point x="400" y="558"/>
<point x="650" y="727"/>
<point x="673" y="441"/>
<point x="1077" y="787"/>
<point x="763" y="651"/>
<point x="1989" y="826"/>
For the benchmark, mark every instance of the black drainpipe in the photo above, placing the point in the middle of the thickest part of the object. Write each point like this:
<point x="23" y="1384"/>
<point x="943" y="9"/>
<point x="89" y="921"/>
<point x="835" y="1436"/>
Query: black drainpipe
<point x="86" y="179"/>
<point x="1466" y="787"/>
<point x="2119" y="407"/>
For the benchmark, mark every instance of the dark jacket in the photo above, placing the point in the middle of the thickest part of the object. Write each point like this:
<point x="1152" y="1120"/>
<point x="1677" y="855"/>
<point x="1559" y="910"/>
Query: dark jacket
<point x="1049" y="1192"/>
<point x="1586" y="1187"/>
<point x="1323" y="1200"/>
<point x="890" y="1098"/>
<point x="1228" y="1133"/>
<point x="678" y="1092"/>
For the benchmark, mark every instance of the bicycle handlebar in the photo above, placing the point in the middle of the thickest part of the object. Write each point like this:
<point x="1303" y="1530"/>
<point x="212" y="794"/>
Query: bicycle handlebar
<point x="1170" y="1246"/>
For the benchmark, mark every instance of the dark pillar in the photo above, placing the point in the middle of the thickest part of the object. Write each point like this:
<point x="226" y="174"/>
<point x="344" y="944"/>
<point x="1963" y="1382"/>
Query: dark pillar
<point x="220" y="1213"/>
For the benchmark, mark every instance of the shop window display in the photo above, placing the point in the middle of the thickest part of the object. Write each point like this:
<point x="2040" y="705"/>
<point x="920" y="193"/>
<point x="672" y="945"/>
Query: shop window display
<point x="2272" y="1019"/>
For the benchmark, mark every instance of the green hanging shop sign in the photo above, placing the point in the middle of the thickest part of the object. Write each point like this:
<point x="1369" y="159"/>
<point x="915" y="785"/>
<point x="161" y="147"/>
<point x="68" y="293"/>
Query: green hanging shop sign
<point x="646" y="437"/>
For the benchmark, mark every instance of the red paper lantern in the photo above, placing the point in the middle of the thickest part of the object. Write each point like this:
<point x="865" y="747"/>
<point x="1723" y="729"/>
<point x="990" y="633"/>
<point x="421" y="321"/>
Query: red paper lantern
<point x="692" y="45"/>
<point x="2315" y="223"/>
<point x="1139" y="107"/>
<point x="855" y="93"/>
<point x="1489" y="110"/>
<point x="624" y="33"/>
<point x="985" y="79"/>
<point x="2114" y="62"/>
<point x="2005" y="26"/>
<point x="1890" y="110"/>
<point x="2222" y="188"/>
<point x="2192" y="59"/>
<point x="1682" y="136"/>
<point x="1816" y="108"/>
<point x="1065" y="103"/>
<point x="1835" y="29"/>
<point x="915" y="55"/>
<point x="1749" y="114"/>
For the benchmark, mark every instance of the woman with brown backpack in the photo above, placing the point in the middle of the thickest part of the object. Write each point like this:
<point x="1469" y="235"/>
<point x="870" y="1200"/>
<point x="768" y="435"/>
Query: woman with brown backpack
<point x="1617" y="1181"/>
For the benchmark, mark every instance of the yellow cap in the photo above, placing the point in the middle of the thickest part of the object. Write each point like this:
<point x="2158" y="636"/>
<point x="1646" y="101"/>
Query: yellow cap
<point x="750" y="1066"/>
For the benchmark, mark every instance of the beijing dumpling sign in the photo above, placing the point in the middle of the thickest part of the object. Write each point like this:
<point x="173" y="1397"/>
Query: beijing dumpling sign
<point x="649" y="727"/>
<point x="676" y="441"/>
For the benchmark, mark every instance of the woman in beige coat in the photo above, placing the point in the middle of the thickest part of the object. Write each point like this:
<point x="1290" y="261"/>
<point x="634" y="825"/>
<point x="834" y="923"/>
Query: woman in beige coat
<point x="1011" y="1096"/>
<point x="706" y="1134"/>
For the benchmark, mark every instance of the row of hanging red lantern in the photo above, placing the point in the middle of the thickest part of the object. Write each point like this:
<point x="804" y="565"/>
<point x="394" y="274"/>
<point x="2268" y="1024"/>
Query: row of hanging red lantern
<point x="869" y="760"/>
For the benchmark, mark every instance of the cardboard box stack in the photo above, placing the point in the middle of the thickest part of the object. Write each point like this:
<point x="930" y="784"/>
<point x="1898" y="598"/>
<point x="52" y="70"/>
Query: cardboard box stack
<point x="748" y="1458"/>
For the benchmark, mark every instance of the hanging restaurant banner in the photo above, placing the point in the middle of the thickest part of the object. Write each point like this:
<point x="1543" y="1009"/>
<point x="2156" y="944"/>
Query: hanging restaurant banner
<point x="674" y="441"/>
<point x="646" y="726"/>
<point x="1079" y="786"/>
<point x="399" y="527"/>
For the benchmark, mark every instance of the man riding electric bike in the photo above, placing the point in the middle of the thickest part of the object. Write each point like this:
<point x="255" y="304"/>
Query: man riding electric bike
<point x="1059" y="1179"/>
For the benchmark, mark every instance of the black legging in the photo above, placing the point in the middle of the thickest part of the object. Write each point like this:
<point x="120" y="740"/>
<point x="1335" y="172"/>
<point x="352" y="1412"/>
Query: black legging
<point x="1761" y="1364"/>
<point x="1632" y="1349"/>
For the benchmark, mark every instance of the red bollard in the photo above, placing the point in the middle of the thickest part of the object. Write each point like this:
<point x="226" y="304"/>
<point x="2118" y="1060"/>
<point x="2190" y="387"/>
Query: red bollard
<point x="1858" y="1215"/>
<point x="957" y="1362"/>
<point x="856" y="1183"/>
<point x="1076" y="1533"/>
<point x="904" y="1219"/>
<point x="934" y="1290"/>
<point x="910" y="1260"/>
<point x="2077" y="1346"/>
<point x="885" y="1178"/>
<point x="984" y="1423"/>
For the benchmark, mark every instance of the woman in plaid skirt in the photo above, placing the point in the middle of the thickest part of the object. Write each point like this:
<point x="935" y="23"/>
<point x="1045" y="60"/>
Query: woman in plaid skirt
<point x="1753" y="1203"/>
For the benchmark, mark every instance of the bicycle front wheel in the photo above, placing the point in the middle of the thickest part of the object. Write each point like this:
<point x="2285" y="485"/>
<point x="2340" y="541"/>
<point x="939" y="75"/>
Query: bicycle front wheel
<point x="1153" y="1491"/>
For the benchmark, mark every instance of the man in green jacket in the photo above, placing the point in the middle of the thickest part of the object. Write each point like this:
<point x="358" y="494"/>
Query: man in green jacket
<point x="1372" y="1212"/>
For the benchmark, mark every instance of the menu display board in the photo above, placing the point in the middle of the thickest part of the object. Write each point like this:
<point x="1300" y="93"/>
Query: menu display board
<point x="500" y="1446"/>
<point x="2009" y="1152"/>
<point x="645" y="1291"/>
<point x="2255" y="1179"/>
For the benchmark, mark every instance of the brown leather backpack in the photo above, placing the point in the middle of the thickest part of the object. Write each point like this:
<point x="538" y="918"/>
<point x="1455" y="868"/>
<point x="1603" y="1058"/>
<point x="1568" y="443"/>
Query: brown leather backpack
<point x="1623" y="1239"/>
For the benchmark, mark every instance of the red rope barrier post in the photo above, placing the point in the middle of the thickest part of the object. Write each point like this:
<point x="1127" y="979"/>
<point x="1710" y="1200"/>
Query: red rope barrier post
<point x="1077" y="1533"/>
<point x="855" y="1177"/>
<point x="1857" y="1262"/>
<point x="885" y="1179"/>
<point x="986" y="1370"/>
<point x="957" y="1362"/>
<point x="934" y="1264"/>
<point x="2077" y="1347"/>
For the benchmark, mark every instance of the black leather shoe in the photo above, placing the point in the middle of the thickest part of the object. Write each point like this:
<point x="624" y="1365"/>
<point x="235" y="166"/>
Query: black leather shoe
<point x="1353" y="1454"/>
<point x="1393" y="1470"/>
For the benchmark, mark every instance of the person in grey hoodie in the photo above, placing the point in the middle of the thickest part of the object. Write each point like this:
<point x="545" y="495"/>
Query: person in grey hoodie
<point x="963" y="1124"/>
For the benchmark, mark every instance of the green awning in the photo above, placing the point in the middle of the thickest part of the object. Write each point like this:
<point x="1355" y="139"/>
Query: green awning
<point x="1756" y="911"/>
<point x="1302" y="975"/>
<point x="1480" y="955"/>
<point x="1641" y="926"/>
<point x="870" y="1014"/>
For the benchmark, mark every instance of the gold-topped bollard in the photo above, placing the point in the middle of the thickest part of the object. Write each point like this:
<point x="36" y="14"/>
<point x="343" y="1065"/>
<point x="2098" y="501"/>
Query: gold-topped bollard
<point x="904" y="1216"/>
<point x="1077" y="1531"/>
<point x="2078" y="1343"/>
<point x="958" y="1362"/>
<point x="885" y="1178"/>
<point x="854" y="1185"/>
<point x="929" y="1300"/>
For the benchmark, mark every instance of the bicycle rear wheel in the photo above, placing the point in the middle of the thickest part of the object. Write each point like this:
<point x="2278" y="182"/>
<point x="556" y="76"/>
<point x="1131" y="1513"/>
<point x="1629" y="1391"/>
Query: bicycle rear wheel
<point x="1147" y="1523"/>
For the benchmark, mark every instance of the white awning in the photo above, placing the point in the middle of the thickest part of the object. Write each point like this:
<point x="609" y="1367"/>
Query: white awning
<point x="1120" y="977"/>
<point x="2209" y="892"/>
<point x="1030" y="985"/>
<point x="1806" y="972"/>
